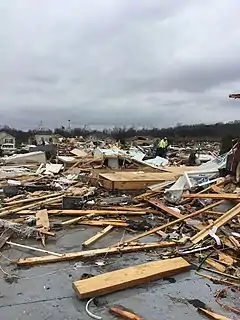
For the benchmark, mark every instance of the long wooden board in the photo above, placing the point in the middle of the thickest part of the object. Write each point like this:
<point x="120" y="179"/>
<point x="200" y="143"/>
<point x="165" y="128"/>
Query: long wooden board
<point x="223" y="196"/>
<point x="133" y="180"/>
<point x="169" y="224"/>
<point x="97" y="236"/>
<point x="230" y="214"/>
<point x="129" y="277"/>
<point x="93" y="253"/>
<point x="80" y="213"/>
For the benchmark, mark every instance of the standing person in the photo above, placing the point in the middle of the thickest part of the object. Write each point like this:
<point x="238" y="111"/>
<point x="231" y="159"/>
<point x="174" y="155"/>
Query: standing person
<point x="165" y="147"/>
<point x="162" y="148"/>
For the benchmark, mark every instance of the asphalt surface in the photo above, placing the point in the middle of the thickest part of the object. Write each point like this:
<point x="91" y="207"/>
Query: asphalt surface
<point x="45" y="292"/>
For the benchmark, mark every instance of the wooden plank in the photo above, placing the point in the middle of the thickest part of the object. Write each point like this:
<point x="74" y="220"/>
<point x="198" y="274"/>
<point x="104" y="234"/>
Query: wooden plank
<point x="97" y="236"/>
<point x="212" y="315"/>
<point x="161" y="206"/>
<point x="223" y="196"/>
<point x="214" y="264"/>
<point x="129" y="277"/>
<point x="169" y="224"/>
<point x="93" y="253"/>
<point x="230" y="214"/>
<point x="8" y="211"/>
<point x="132" y="211"/>
<point x="47" y="196"/>
<point x="103" y="223"/>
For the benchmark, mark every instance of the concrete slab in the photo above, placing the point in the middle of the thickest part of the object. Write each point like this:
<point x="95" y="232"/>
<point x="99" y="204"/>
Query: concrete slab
<point x="45" y="292"/>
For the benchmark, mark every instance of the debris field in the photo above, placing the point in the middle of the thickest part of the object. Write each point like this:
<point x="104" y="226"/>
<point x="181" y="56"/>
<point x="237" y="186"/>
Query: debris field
<point x="139" y="222"/>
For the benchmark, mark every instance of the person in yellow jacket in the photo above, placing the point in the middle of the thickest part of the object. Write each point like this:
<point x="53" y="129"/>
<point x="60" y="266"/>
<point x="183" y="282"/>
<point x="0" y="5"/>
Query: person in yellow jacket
<point x="162" y="148"/>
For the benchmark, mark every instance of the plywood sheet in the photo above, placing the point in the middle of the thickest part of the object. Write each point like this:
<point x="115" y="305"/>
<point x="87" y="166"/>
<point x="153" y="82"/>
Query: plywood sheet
<point x="128" y="277"/>
<point x="133" y="180"/>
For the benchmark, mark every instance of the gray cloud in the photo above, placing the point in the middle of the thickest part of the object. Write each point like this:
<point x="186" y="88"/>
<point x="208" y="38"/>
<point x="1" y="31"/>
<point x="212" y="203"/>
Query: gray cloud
<point x="118" y="62"/>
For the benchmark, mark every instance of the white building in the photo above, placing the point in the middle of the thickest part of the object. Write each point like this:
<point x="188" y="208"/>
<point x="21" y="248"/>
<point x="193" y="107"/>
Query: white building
<point x="6" y="138"/>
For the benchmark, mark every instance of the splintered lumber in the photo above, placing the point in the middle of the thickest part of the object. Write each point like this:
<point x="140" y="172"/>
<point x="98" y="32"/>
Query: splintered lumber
<point x="119" y="211"/>
<point x="129" y="277"/>
<point x="223" y="196"/>
<point x="13" y="203"/>
<point x="212" y="315"/>
<point x="230" y="214"/>
<point x="8" y="211"/>
<point x="33" y="248"/>
<point x="43" y="223"/>
<point x="214" y="264"/>
<point x="164" y="208"/>
<point x="97" y="236"/>
<point x="146" y="233"/>
<point x="218" y="280"/>
<point x="102" y="223"/>
<point x="93" y="253"/>
<point x="124" y="313"/>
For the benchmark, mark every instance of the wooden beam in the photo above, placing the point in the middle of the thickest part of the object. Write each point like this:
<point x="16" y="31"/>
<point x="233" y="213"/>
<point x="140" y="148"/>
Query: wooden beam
<point x="8" y="211"/>
<point x="229" y="215"/>
<point x="93" y="253"/>
<point x="22" y="201"/>
<point x="97" y="236"/>
<point x="161" y="206"/>
<point x="128" y="277"/>
<point x="79" y="213"/>
<point x="103" y="223"/>
<point x="212" y="315"/>
<point x="169" y="224"/>
<point x="224" y="196"/>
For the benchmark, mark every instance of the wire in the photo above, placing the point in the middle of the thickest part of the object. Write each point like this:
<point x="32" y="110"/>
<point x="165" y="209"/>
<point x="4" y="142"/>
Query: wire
<point x="89" y="312"/>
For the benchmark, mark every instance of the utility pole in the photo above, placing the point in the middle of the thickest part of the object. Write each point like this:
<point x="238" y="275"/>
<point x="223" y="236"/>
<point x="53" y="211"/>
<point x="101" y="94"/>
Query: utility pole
<point x="69" y="125"/>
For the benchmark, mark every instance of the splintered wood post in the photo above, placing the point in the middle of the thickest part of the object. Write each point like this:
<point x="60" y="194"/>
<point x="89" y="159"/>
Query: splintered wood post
<point x="42" y="222"/>
<point x="123" y="313"/>
<point x="97" y="236"/>
<point x="129" y="277"/>
<point x="28" y="206"/>
<point x="169" y="224"/>
<point x="212" y="315"/>
<point x="12" y="203"/>
<point x="93" y="253"/>
<point x="230" y="214"/>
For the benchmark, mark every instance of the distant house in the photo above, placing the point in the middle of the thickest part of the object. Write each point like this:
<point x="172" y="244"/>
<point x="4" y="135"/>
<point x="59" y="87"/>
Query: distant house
<point x="6" y="138"/>
<point x="40" y="136"/>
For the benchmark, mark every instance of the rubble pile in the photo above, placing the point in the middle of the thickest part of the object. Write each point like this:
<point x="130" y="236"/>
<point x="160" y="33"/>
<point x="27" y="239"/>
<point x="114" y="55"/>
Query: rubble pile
<point x="189" y="217"/>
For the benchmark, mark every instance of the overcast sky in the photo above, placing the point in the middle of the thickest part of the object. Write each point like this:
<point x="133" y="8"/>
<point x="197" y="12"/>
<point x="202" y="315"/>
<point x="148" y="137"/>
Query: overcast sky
<point x="118" y="62"/>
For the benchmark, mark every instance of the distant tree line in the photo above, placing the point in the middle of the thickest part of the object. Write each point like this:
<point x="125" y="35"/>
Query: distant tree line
<point x="199" y="132"/>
